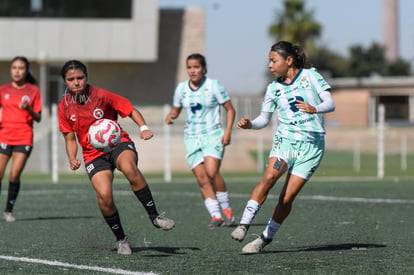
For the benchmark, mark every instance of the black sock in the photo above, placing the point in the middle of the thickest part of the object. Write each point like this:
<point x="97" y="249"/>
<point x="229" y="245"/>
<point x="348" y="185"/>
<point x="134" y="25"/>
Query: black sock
<point x="14" y="188"/>
<point x="145" y="197"/>
<point x="114" y="223"/>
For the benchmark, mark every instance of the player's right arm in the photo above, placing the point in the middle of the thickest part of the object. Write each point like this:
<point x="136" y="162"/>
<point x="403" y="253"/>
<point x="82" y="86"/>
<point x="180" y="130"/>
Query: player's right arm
<point x="258" y="123"/>
<point x="72" y="150"/>
<point x="174" y="113"/>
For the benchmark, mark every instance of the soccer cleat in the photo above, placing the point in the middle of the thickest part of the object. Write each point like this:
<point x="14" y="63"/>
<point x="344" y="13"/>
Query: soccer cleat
<point x="257" y="245"/>
<point x="9" y="217"/>
<point x="228" y="217"/>
<point x="123" y="247"/>
<point x="216" y="222"/>
<point x="239" y="233"/>
<point x="163" y="223"/>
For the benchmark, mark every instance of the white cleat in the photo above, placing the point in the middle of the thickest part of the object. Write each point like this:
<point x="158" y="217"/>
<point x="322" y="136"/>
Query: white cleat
<point x="9" y="217"/>
<point x="163" y="223"/>
<point x="256" y="246"/>
<point x="123" y="247"/>
<point x="239" y="233"/>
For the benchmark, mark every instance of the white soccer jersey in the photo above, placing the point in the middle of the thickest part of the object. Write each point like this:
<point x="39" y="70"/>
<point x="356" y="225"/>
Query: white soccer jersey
<point x="202" y="106"/>
<point x="294" y="124"/>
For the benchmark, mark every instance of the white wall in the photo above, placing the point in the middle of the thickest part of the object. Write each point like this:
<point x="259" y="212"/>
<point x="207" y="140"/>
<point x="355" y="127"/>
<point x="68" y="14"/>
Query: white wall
<point x="132" y="40"/>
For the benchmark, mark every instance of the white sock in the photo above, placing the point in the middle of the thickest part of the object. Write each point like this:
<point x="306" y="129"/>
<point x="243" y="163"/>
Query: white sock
<point x="271" y="229"/>
<point x="250" y="211"/>
<point x="213" y="207"/>
<point x="223" y="199"/>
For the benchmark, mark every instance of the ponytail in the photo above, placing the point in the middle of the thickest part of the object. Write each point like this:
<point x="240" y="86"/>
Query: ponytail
<point x="285" y="49"/>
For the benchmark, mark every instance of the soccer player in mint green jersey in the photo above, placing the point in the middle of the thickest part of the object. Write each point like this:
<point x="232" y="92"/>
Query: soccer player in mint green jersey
<point x="300" y="96"/>
<point x="204" y="136"/>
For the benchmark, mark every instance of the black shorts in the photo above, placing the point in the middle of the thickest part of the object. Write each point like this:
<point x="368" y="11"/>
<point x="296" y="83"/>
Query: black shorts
<point x="108" y="161"/>
<point x="6" y="149"/>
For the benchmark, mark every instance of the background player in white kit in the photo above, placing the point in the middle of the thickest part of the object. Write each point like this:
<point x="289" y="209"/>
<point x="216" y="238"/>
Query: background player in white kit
<point x="300" y="96"/>
<point x="204" y="136"/>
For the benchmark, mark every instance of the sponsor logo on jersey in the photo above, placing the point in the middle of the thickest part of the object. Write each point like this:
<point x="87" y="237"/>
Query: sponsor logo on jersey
<point x="73" y="118"/>
<point x="7" y="96"/>
<point x="98" y="113"/>
<point x="195" y="107"/>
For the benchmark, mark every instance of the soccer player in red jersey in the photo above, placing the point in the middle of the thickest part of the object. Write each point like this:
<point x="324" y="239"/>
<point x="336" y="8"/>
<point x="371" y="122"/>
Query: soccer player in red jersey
<point x="22" y="104"/>
<point x="80" y="107"/>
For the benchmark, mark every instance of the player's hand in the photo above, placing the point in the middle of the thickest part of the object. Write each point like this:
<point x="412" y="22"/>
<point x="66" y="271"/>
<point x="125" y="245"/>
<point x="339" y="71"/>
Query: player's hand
<point x="305" y="107"/>
<point x="74" y="164"/>
<point x="169" y="119"/>
<point x="225" y="140"/>
<point x="244" y="123"/>
<point x="24" y="105"/>
<point x="146" y="134"/>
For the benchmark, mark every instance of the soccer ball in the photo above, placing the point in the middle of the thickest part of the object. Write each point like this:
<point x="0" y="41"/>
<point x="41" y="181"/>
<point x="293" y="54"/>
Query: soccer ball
<point x="104" y="135"/>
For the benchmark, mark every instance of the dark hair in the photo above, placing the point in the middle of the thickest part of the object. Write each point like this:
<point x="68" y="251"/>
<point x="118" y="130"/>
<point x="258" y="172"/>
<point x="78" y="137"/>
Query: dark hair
<point x="73" y="65"/>
<point x="200" y="58"/>
<point x="285" y="49"/>
<point x="29" y="74"/>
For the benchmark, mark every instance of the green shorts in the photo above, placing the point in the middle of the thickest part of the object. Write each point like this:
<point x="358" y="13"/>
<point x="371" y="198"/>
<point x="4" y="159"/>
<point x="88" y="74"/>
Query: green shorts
<point x="196" y="148"/>
<point x="301" y="157"/>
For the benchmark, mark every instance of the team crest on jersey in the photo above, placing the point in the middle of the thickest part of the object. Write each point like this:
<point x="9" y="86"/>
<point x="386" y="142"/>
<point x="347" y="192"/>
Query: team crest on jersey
<point x="98" y="113"/>
<point x="26" y="98"/>
<point x="206" y="92"/>
<point x="304" y="83"/>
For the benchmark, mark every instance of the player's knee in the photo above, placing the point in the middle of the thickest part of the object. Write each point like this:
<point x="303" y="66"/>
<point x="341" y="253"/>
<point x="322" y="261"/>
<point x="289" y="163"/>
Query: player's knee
<point x="268" y="180"/>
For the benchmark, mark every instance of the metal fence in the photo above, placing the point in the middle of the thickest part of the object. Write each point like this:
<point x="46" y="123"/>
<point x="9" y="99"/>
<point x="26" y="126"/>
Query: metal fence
<point x="167" y="152"/>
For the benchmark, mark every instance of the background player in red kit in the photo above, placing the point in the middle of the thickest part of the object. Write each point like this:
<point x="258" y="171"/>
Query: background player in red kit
<point x="80" y="107"/>
<point x="21" y="103"/>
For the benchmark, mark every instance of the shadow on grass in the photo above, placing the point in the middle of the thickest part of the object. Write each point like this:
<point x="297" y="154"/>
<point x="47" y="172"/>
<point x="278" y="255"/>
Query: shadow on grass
<point x="162" y="249"/>
<point x="56" y="218"/>
<point x="328" y="247"/>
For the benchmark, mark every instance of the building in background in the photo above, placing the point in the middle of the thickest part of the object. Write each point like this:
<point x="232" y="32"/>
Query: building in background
<point x="130" y="46"/>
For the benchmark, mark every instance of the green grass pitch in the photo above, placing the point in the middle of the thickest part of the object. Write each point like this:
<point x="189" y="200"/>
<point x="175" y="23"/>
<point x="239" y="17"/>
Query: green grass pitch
<point x="337" y="226"/>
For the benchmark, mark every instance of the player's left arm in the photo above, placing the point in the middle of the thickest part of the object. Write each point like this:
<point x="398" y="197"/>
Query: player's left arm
<point x="231" y="114"/>
<point x="137" y="117"/>
<point x="327" y="105"/>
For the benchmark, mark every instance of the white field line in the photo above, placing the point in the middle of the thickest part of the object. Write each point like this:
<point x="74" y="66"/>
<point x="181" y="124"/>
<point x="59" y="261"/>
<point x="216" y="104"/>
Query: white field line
<point x="68" y="265"/>
<point x="232" y="195"/>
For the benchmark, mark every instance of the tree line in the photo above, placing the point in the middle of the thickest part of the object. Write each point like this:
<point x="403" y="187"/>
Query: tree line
<point x="296" y="24"/>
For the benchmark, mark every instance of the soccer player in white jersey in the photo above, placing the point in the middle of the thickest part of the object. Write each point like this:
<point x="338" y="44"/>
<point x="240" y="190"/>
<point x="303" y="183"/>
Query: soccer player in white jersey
<point x="300" y="96"/>
<point x="204" y="136"/>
